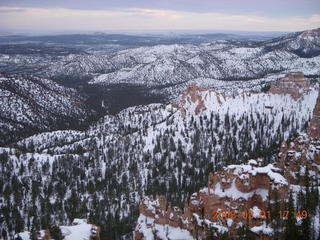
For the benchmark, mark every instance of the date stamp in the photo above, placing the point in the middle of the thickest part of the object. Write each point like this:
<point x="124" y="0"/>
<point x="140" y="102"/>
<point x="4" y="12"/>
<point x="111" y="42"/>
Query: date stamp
<point x="249" y="214"/>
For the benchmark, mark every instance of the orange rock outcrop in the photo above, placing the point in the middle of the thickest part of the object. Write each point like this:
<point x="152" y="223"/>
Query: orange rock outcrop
<point x="293" y="83"/>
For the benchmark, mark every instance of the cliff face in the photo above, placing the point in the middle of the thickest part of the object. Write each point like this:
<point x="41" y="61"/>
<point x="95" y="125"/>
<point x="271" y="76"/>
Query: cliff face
<point x="192" y="96"/>
<point x="196" y="100"/>
<point x="293" y="83"/>
<point x="244" y="188"/>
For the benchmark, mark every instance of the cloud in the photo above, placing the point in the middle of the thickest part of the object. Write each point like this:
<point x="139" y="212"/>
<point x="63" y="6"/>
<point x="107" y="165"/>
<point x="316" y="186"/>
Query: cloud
<point x="167" y="14"/>
<point x="11" y="10"/>
<point x="143" y="19"/>
<point x="315" y="18"/>
<point x="264" y="8"/>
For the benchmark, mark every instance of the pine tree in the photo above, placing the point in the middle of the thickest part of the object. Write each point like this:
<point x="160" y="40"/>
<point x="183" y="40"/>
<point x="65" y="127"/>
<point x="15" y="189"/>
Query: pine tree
<point x="55" y="233"/>
<point x="274" y="211"/>
<point x="244" y="233"/>
<point x="34" y="231"/>
<point x="4" y="234"/>
<point x="306" y="223"/>
<point x="291" y="229"/>
<point x="18" y="221"/>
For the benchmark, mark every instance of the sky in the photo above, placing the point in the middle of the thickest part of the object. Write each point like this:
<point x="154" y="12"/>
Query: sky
<point x="158" y="15"/>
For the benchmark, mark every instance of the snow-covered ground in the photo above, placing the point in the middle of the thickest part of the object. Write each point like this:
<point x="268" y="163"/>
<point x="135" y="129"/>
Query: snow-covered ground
<point x="79" y="230"/>
<point x="152" y="231"/>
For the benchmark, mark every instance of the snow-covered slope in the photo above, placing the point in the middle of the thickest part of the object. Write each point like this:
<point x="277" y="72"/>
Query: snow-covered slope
<point x="224" y="60"/>
<point x="79" y="230"/>
<point x="30" y="104"/>
<point x="104" y="171"/>
<point x="166" y="65"/>
<point x="52" y="66"/>
<point x="304" y="44"/>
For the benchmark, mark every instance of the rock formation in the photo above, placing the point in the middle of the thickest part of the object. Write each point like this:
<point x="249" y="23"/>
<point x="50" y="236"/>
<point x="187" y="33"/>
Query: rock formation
<point x="246" y="189"/>
<point x="195" y="99"/>
<point x="192" y="95"/>
<point x="293" y="83"/>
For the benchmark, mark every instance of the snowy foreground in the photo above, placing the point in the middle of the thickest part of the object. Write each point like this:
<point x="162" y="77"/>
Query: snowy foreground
<point x="80" y="230"/>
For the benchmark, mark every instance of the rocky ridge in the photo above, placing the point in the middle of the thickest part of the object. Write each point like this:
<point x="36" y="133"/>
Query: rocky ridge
<point x="195" y="99"/>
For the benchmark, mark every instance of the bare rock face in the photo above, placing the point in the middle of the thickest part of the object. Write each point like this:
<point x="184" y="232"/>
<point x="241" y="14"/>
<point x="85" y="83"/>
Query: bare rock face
<point x="293" y="83"/>
<point x="192" y="95"/>
<point x="193" y="101"/>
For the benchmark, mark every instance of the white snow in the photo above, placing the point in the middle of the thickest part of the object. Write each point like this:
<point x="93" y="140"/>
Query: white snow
<point x="150" y="229"/>
<point x="256" y="212"/>
<point x="80" y="231"/>
<point x="24" y="235"/>
<point x="262" y="229"/>
<point x="270" y="170"/>
<point x="235" y="194"/>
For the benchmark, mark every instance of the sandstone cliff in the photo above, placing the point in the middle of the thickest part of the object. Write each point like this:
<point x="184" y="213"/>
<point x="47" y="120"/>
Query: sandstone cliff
<point x="293" y="83"/>
<point x="196" y="100"/>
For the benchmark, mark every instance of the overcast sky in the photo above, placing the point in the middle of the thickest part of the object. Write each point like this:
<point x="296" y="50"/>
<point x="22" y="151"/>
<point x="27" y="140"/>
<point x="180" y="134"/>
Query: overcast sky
<point x="161" y="15"/>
